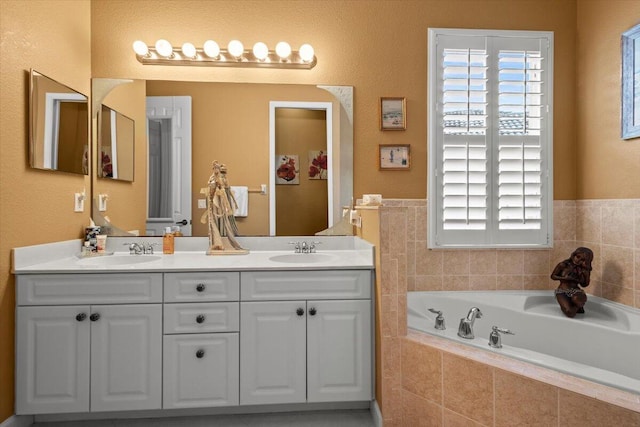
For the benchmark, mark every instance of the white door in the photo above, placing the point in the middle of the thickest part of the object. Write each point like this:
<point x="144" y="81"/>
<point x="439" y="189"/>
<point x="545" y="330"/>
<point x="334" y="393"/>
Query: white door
<point x="273" y="359"/>
<point x="339" y="351"/>
<point x="169" y="163"/>
<point x="200" y="370"/>
<point x="52" y="359"/>
<point x="126" y="357"/>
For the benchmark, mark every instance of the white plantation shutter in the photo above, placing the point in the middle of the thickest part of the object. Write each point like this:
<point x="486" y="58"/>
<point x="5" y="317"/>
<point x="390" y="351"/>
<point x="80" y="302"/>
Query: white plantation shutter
<point x="489" y="138"/>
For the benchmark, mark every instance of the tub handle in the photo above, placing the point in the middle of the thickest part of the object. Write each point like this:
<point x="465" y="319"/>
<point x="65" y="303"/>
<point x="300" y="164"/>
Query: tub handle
<point x="439" y="319"/>
<point x="495" y="339"/>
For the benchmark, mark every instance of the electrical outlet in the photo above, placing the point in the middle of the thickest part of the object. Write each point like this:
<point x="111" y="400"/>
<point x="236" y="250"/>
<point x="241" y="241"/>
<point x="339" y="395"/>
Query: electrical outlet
<point x="202" y="203"/>
<point x="102" y="202"/>
<point x="78" y="203"/>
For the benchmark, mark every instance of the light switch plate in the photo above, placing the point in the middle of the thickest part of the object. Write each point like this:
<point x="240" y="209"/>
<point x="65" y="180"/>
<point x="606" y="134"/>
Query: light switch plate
<point x="202" y="203"/>
<point x="102" y="202"/>
<point x="78" y="203"/>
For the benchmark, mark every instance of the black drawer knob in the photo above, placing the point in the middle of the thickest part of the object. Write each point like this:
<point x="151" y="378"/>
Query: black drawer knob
<point x="94" y="317"/>
<point x="81" y="316"/>
<point x="312" y="311"/>
<point x="200" y="354"/>
<point x="300" y="311"/>
<point x="201" y="318"/>
<point x="200" y="287"/>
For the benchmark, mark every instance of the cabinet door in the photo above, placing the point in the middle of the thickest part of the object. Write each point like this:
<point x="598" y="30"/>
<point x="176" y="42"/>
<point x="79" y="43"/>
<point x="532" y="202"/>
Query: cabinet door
<point x="52" y="359"/>
<point x="272" y="357"/>
<point x="339" y="350"/>
<point x="200" y="370"/>
<point x="126" y="357"/>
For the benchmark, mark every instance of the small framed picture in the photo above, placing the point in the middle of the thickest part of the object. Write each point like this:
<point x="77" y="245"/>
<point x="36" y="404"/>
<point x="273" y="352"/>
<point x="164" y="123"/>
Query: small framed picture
<point x="393" y="114"/>
<point x="394" y="157"/>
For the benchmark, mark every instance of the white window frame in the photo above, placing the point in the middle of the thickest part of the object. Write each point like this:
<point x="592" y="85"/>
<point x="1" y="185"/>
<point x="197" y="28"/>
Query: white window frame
<point x="491" y="237"/>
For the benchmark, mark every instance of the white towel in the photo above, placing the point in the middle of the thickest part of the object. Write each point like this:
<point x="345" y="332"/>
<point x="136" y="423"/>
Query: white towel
<point x="242" y="198"/>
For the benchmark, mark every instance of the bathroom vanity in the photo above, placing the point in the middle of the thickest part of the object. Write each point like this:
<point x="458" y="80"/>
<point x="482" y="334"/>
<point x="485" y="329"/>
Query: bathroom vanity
<point x="151" y="332"/>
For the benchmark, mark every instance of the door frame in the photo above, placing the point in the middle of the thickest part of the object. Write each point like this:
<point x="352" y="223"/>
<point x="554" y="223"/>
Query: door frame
<point x="328" y="108"/>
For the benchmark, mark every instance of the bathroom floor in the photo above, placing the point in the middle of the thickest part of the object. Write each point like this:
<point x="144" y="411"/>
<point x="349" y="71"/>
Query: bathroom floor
<point x="341" y="418"/>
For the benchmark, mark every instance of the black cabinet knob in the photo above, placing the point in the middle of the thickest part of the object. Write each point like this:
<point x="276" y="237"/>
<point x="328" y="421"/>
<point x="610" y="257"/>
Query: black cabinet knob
<point x="201" y="318"/>
<point x="312" y="311"/>
<point x="81" y="316"/>
<point x="300" y="311"/>
<point x="94" y="317"/>
<point x="200" y="287"/>
<point x="200" y="354"/>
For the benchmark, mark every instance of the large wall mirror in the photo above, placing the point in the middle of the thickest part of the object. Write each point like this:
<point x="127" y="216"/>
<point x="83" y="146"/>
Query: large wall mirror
<point x="228" y="122"/>
<point x="59" y="126"/>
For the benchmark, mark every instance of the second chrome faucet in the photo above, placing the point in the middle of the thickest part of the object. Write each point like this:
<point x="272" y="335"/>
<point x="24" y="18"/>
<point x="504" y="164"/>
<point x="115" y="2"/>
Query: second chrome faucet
<point x="465" y="329"/>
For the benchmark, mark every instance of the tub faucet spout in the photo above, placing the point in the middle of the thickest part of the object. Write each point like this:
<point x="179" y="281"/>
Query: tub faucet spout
<point x="465" y="330"/>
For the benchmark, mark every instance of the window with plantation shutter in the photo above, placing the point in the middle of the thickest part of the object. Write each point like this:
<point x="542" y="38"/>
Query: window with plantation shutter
<point x="490" y="138"/>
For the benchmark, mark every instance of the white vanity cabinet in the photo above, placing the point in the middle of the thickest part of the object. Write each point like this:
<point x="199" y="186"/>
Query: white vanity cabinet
<point x="305" y="336"/>
<point x="201" y="340"/>
<point x="88" y="342"/>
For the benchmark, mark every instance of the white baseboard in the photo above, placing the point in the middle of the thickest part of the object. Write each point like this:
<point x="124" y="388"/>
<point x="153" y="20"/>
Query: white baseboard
<point x="18" y="421"/>
<point x="376" y="414"/>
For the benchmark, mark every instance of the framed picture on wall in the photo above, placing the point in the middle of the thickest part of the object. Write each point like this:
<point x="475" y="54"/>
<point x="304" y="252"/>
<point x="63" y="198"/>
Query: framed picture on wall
<point x="631" y="83"/>
<point x="287" y="169"/>
<point x="393" y="114"/>
<point x="394" y="157"/>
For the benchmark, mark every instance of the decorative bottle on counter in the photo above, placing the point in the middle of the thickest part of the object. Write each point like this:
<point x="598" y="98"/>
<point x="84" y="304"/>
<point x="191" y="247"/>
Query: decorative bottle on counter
<point x="167" y="242"/>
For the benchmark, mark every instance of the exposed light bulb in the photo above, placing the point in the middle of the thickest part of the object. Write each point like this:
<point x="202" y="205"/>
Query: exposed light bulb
<point x="235" y="48"/>
<point x="189" y="50"/>
<point x="140" y="48"/>
<point x="260" y="51"/>
<point x="164" y="48"/>
<point x="211" y="49"/>
<point x="283" y="50"/>
<point x="306" y="52"/>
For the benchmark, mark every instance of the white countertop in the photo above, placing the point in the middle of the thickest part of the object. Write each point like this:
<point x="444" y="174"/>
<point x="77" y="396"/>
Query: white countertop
<point x="63" y="257"/>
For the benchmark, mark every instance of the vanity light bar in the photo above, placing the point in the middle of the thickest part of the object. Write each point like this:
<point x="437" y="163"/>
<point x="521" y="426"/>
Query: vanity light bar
<point x="163" y="53"/>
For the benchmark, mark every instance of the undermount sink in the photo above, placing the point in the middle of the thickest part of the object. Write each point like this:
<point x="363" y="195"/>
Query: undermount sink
<point x="301" y="258"/>
<point x="118" y="260"/>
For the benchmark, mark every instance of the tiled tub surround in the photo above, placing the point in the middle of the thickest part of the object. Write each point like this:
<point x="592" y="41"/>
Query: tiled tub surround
<point x="610" y="227"/>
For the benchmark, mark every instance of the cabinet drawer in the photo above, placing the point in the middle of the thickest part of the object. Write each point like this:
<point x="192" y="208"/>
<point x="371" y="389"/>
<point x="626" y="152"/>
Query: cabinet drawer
<point x="66" y="289"/>
<point x="195" y="318"/>
<point x="300" y="285"/>
<point x="204" y="286"/>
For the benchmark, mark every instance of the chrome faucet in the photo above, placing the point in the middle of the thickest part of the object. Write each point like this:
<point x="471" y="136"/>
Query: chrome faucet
<point x="304" y="248"/>
<point x="134" y="248"/>
<point x="495" y="340"/>
<point x="465" y="330"/>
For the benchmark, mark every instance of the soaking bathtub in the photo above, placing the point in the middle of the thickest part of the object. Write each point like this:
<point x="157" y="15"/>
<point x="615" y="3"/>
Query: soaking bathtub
<point x="601" y="345"/>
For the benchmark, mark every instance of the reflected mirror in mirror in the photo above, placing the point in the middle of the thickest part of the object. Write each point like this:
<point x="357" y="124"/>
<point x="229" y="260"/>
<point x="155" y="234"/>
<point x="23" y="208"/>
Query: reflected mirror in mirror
<point x="59" y="126"/>
<point x="231" y="124"/>
<point x="116" y="147"/>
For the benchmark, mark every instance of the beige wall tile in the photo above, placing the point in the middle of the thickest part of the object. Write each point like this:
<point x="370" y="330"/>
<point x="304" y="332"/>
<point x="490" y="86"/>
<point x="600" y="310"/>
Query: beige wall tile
<point x="483" y="262"/>
<point x="391" y="358"/>
<point x="428" y="262"/>
<point x="392" y="404"/>
<point x="510" y="282"/>
<point x="411" y="224"/>
<point x="536" y="262"/>
<point x="422" y="371"/>
<point x="581" y="411"/>
<point x="429" y="283"/>
<point x="389" y="275"/>
<point x="468" y="388"/>
<point x="589" y="223"/>
<point x="510" y="262"/>
<point x="524" y="402"/>
<point x="617" y="226"/>
<point x="636" y="227"/>
<point x="421" y="224"/>
<point x="402" y="315"/>
<point x="537" y="282"/>
<point x="411" y="257"/>
<point x="564" y="221"/>
<point x="418" y="412"/>
<point x="455" y="283"/>
<point x="618" y="294"/>
<point x="636" y="270"/>
<point x="483" y="283"/>
<point x="617" y="266"/>
<point x="455" y="262"/>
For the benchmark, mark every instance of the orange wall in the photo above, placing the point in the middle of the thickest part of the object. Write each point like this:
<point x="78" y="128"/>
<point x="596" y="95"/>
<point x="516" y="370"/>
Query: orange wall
<point x="380" y="49"/>
<point x="36" y="206"/>
<point x="608" y="166"/>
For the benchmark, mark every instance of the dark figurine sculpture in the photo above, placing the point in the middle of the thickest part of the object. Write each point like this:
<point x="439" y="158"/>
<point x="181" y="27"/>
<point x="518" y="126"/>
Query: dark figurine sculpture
<point x="572" y="274"/>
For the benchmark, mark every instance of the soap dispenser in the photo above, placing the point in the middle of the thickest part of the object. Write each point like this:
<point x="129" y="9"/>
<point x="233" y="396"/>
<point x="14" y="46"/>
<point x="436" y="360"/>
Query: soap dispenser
<point x="167" y="241"/>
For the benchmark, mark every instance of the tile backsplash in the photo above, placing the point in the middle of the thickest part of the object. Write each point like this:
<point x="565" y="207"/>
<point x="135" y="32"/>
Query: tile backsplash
<point x="611" y="228"/>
